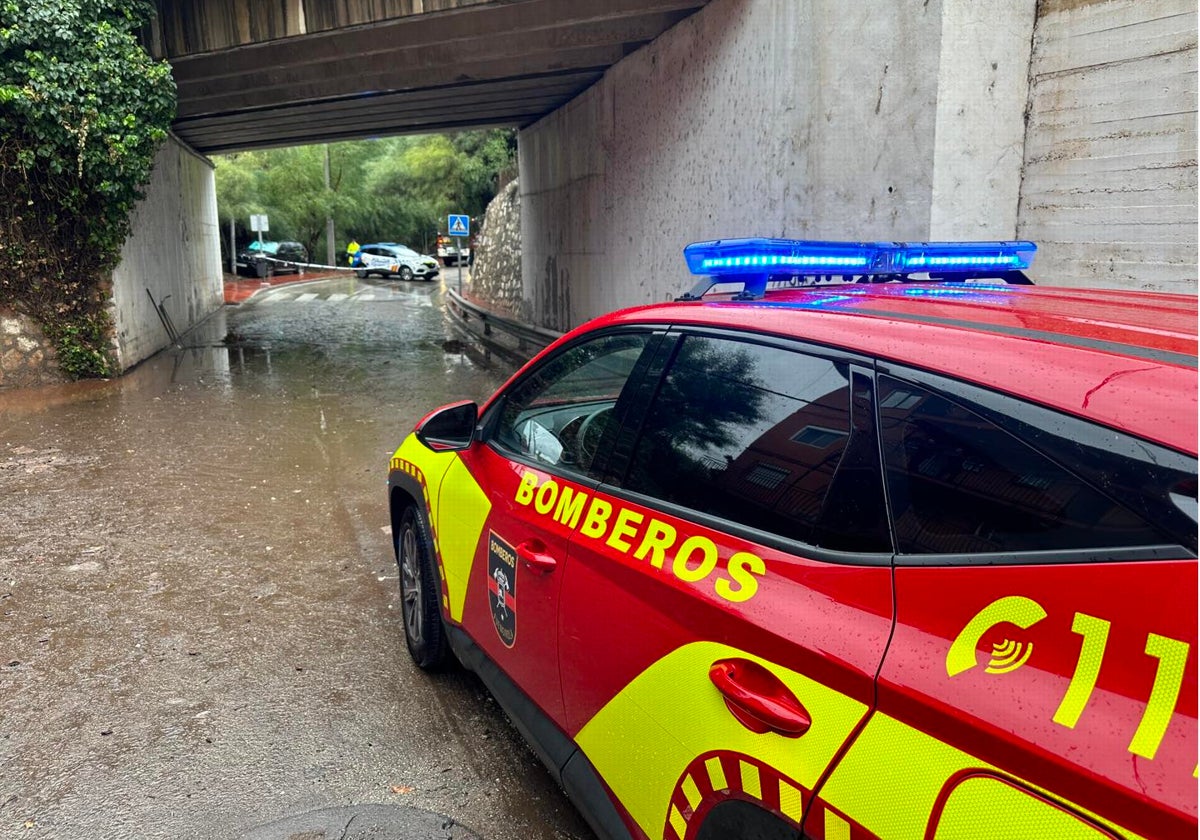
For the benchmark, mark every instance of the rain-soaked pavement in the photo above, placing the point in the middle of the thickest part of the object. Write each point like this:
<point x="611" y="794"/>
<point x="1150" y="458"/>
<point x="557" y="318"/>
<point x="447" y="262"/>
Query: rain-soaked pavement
<point x="199" y="622"/>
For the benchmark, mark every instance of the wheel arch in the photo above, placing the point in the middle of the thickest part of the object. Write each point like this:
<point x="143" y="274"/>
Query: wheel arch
<point x="401" y="498"/>
<point x="745" y="820"/>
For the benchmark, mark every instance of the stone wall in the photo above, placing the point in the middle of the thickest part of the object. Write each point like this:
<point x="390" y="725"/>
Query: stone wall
<point x="27" y="359"/>
<point x="496" y="275"/>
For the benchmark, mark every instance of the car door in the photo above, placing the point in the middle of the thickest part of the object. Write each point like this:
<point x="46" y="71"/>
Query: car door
<point x="728" y="596"/>
<point x="1041" y="681"/>
<point x="540" y="436"/>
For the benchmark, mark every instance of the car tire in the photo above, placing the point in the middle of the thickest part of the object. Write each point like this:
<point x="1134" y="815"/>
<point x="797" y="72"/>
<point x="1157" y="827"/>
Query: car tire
<point x="419" y="595"/>
<point x="360" y="274"/>
<point x="406" y="273"/>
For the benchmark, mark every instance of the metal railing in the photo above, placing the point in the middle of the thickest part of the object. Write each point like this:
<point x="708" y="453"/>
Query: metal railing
<point x="529" y="339"/>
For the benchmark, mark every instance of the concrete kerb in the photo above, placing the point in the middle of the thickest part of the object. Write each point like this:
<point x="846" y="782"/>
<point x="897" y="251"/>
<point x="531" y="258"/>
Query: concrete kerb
<point x="364" y="822"/>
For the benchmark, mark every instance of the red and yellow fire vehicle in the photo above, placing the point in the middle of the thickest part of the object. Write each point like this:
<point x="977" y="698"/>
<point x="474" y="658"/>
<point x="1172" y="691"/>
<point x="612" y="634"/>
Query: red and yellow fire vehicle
<point x="892" y="543"/>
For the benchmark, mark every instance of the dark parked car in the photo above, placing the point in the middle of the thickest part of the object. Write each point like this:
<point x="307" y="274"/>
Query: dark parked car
<point x="271" y="258"/>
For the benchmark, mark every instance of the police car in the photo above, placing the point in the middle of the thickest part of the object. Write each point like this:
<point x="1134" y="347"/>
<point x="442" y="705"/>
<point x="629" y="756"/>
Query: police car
<point x="883" y="541"/>
<point x="391" y="259"/>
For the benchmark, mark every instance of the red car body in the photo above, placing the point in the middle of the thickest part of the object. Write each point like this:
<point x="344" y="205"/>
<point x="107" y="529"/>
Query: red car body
<point x="685" y="677"/>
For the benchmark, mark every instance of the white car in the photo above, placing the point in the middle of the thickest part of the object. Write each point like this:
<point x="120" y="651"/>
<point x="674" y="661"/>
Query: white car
<point x="390" y="258"/>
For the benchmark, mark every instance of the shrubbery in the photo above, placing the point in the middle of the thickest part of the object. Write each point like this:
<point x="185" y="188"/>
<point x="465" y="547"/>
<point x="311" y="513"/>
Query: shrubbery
<point x="83" y="109"/>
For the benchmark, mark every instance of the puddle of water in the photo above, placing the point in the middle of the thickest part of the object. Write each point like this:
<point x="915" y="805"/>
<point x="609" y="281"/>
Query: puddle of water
<point x="197" y="591"/>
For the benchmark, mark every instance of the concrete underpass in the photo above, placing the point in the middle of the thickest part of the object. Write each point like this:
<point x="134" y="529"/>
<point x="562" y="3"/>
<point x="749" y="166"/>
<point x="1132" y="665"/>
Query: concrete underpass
<point x="647" y="124"/>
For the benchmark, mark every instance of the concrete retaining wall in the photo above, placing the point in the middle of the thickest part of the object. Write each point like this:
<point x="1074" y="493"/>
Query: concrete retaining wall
<point x="893" y="121"/>
<point x="798" y="118"/>
<point x="1110" y="160"/>
<point x="174" y="250"/>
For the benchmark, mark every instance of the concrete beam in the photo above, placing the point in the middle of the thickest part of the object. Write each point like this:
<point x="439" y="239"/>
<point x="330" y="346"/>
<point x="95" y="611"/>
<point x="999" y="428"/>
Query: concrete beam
<point x="519" y="45"/>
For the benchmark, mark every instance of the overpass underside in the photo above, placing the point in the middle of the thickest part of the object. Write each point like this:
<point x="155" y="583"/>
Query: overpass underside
<point x="254" y="74"/>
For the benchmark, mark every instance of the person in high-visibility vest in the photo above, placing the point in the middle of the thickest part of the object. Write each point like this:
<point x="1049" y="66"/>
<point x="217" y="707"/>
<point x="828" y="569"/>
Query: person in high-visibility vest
<point x="351" y="250"/>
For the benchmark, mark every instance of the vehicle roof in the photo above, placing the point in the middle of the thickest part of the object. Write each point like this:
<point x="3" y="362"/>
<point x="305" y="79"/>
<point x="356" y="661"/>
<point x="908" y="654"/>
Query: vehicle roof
<point x="1126" y="359"/>
<point x="397" y="245"/>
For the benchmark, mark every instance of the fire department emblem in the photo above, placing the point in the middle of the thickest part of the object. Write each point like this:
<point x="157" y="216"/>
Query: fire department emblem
<point x="502" y="588"/>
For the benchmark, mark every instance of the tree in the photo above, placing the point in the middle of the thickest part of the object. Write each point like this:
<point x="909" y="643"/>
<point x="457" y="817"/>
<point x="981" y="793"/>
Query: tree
<point x="397" y="189"/>
<point x="83" y="109"/>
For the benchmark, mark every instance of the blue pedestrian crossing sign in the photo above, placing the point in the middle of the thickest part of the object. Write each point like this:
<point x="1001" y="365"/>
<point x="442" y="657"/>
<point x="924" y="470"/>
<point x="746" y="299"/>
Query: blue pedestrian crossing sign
<point x="460" y="225"/>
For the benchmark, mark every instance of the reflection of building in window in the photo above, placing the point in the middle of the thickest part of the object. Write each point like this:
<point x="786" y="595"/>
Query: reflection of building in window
<point x="787" y="470"/>
<point x="962" y="484"/>
<point x="818" y="437"/>
<point x="900" y="398"/>
<point x="764" y="475"/>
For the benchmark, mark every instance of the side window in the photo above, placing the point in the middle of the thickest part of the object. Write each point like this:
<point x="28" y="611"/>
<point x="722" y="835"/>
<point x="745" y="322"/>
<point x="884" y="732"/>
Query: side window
<point x="759" y="435"/>
<point x="560" y="414"/>
<point x="959" y="484"/>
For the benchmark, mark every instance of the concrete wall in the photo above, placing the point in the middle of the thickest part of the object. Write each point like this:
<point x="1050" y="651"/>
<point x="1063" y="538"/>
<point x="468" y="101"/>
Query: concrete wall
<point x="901" y="120"/>
<point x="174" y="251"/>
<point x="1110" y="160"/>
<point x="982" y="88"/>
<point x="797" y="118"/>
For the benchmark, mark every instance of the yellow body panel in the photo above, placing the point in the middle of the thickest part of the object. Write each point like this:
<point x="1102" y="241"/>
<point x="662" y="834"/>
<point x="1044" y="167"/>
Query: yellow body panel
<point x="982" y="807"/>
<point x="463" y="510"/>
<point x="889" y="782"/>
<point x="458" y="509"/>
<point x="645" y="737"/>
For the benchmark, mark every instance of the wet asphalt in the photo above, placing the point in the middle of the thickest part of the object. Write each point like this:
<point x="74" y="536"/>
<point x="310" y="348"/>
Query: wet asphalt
<point x="199" y="619"/>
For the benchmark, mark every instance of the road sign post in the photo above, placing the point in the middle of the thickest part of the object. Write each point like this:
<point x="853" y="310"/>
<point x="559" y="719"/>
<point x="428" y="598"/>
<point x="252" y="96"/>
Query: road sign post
<point x="458" y="225"/>
<point x="259" y="222"/>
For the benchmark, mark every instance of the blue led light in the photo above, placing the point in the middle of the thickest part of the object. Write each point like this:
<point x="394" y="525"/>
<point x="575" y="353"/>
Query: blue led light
<point x="725" y="257"/>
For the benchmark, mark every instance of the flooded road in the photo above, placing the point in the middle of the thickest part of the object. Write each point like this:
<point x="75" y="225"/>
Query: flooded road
<point x="199" y="619"/>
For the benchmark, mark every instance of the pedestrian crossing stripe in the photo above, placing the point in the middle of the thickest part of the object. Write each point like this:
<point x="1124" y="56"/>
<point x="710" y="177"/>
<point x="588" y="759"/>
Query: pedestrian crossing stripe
<point x="408" y="297"/>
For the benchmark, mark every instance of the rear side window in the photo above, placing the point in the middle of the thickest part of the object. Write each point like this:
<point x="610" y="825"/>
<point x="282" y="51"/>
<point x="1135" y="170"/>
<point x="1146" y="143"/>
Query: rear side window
<point x="755" y="435"/>
<point x="960" y="484"/>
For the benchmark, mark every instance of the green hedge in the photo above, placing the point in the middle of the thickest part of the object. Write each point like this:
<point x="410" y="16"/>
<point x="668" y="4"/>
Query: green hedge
<point x="83" y="109"/>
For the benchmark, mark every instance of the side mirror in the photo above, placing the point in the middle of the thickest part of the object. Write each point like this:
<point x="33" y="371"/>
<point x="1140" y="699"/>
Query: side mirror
<point x="449" y="428"/>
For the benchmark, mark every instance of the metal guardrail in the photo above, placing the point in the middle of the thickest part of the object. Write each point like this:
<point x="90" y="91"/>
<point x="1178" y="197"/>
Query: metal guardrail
<point x="529" y="339"/>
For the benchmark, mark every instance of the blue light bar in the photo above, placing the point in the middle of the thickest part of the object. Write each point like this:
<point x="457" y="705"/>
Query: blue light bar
<point x="728" y="257"/>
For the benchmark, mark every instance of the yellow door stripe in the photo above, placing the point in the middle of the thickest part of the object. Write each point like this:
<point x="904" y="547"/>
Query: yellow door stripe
<point x="691" y="792"/>
<point x="750" y="781"/>
<point x="836" y="828"/>
<point x="790" y="801"/>
<point x="678" y="822"/>
<point x="716" y="774"/>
